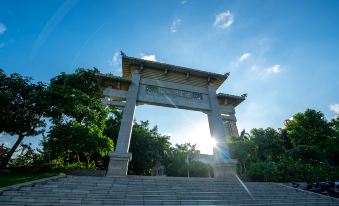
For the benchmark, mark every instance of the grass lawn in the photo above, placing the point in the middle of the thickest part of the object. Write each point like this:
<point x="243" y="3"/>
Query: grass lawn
<point x="11" y="178"/>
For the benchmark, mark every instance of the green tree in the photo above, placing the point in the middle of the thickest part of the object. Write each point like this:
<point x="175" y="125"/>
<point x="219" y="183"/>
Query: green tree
<point x="242" y="149"/>
<point x="263" y="171"/>
<point x="78" y="118"/>
<point x="268" y="143"/>
<point x="113" y="125"/>
<point x="181" y="160"/>
<point x="148" y="146"/>
<point x="78" y="143"/>
<point x="28" y="158"/>
<point x="286" y="140"/>
<point x="332" y="151"/>
<point x="22" y="108"/>
<point x="309" y="133"/>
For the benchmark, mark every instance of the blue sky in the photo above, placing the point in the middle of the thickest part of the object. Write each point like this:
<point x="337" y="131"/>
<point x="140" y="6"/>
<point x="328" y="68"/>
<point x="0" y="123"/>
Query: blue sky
<point x="284" y="54"/>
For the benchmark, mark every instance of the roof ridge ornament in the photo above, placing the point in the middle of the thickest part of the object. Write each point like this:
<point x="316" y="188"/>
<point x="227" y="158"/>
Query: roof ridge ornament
<point x="123" y="54"/>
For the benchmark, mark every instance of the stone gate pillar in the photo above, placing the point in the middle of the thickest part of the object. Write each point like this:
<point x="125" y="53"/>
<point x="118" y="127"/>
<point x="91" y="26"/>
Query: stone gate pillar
<point x="119" y="159"/>
<point x="223" y="166"/>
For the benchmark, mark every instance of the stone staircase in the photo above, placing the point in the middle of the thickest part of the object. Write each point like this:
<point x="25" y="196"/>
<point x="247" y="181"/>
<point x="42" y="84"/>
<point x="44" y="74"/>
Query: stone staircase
<point x="136" y="190"/>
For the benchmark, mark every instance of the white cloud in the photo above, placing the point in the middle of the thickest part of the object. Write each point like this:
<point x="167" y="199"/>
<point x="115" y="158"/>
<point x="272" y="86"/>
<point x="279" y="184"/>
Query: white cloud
<point x="224" y="20"/>
<point x="335" y="108"/>
<point x="174" y="25"/>
<point x="244" y="57"/>
<point x="150" y="57"/>
<point x="183" y="2"/>
<point x="3" y="28"/>
<point x="274" y="69"/>
<point x="263" y="72"/>
<point x="115" y="59"/>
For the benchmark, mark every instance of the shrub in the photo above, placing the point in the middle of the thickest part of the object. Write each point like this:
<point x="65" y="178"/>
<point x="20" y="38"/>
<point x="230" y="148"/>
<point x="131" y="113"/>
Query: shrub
<point x="263" y="171"/>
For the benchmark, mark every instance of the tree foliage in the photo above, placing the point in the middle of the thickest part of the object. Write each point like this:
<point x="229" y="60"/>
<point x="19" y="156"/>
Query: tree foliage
<point x="148" y="146"/>
<point x="182" y="162"/>
<point x="309" y="133"/>
<point x="306" y="149"/>
<point x="78" y="119"/>
<point x="244" y="150"/>
<point x="28" y="158"/>
<point x="22" y="108"/>
<point x="268" y="145"/>
<point x="76" y="98"/>
<point x="332" y="151"/>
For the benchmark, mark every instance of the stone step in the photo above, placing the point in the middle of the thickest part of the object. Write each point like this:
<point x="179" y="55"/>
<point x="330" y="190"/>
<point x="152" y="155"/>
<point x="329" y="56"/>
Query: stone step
<point x="152" y="191"/>
<point x="169" y="203"/>
<point x="153" y="188"/>
<point x="187" y="185"/>
<point x="164" y="184"/>
<point x="113" y="194"/>
<point x="203" y="193"/>
<point x="80" y="190"/>
<point x="171" y="197"/>
<point x="72" y="190"/>
<point x="21" y="200"/>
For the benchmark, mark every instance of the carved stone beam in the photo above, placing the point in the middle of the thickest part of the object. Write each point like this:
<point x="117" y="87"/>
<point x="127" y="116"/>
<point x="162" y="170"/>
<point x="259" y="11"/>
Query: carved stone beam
<point x="117" y="104"/>
<point x="109" y="92"/>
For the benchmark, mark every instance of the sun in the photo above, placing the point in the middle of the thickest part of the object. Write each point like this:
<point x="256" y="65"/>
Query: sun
<point x="206" y="144"/>
<point x="200" y="135"/>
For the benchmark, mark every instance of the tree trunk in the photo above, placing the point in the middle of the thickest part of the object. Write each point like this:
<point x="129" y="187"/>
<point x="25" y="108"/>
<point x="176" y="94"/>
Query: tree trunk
<point x="8" y="156"/>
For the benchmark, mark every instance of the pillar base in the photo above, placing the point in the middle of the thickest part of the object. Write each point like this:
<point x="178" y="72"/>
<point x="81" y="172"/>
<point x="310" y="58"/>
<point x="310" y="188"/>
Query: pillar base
<point x="225" y="169"/>
<point x="118" y="164"/>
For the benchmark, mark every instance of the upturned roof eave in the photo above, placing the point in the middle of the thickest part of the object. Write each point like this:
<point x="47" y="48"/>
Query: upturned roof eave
<point x="237" y="99"/>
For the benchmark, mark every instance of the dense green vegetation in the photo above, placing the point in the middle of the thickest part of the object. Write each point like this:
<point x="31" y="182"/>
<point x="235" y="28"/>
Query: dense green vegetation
<point x="148" y="146"/>
<point x="181" y="162"/>
<point x="78" y="120"/>
<point x="81" y="132"/>
<point x="22" y="108"/>
<point x="306" y="149"/>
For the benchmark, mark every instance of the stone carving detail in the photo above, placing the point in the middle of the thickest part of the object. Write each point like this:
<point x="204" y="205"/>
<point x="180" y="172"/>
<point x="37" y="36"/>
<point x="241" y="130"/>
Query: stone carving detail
<point x="155" y="90"/>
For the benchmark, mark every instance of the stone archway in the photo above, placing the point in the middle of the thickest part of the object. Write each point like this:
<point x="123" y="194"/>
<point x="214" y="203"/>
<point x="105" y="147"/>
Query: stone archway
<point x="154" y="83"/>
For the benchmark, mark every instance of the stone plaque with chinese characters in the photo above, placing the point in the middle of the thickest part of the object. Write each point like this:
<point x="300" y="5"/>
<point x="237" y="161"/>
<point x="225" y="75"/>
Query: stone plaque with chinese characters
<point x="155" y="90"/>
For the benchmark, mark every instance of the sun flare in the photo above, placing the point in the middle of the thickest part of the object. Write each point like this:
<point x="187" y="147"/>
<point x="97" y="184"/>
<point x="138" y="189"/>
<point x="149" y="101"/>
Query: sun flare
<point x="201" y="136"/>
